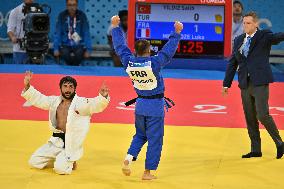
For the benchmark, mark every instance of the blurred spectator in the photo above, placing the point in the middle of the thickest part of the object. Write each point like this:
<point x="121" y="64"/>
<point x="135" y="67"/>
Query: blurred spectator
<point x="15" y="32"/>
<point x="72" y="37"/>
<point x="123" y="15"/>
<point x="237" y="19"/>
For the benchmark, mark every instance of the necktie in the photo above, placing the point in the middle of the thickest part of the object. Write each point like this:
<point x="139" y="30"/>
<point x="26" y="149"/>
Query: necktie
<point x="246" y="46"/>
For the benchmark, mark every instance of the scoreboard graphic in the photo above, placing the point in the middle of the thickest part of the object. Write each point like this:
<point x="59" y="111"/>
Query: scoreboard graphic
<point x="207" y="25"/>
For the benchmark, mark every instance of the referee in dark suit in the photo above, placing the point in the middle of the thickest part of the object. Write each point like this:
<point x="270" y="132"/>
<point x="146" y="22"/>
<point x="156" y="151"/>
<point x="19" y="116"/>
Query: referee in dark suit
<point x="251" y="58"/>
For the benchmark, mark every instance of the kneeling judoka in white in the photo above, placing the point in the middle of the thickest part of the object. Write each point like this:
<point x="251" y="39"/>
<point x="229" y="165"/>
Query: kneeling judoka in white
<point x="69" y="120"/>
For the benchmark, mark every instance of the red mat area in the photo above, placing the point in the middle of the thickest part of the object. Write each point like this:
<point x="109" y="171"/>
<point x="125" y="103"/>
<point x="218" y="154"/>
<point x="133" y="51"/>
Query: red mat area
<point x="198" y="102"/>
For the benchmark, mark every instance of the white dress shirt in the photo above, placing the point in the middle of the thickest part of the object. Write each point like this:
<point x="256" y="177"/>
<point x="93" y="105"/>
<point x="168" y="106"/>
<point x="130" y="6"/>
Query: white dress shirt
<point x="15" y="25"/>
<point x="245" y="40"/>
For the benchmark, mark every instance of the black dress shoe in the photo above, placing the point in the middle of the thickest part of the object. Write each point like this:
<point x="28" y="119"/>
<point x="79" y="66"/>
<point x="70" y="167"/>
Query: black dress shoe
<point x="252" y="154"/>
<point x="280" y="151"/>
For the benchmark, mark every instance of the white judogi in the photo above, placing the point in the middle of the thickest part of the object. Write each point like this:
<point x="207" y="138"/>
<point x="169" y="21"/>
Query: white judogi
<point x="77" y="127"/>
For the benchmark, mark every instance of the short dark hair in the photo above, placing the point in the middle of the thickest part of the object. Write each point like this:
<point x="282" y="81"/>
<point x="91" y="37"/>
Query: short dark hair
<point x="68" y="0"/>
<point x="68" y="79"/>
<point x="141" y="47"/>
<point x="252" y="14"/>
<point x="122" y="13"/>
<point x="238" y="2"/>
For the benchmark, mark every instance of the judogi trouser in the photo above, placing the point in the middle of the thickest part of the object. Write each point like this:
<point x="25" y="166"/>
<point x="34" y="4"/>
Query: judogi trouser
<point x="148" y="129"/>
<point x="52" y="152"/>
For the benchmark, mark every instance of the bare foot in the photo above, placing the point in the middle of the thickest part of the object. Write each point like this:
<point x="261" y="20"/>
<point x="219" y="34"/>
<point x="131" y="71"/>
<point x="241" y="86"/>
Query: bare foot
<point x="126" y="168"/>
<point x="148" y="176"/>
<point x="74" y="165"/>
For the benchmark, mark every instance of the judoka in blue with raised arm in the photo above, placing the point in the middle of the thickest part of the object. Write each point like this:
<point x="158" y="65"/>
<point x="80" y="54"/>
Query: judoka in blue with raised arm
<point x="145" y="73"/>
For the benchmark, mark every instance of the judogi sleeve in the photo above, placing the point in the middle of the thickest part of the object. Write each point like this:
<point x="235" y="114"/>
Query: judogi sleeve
<point x="88" y="106"/>
<point x="120" y="46"/>
<point x="168" y="50"/>
<point x="37" y="99"/>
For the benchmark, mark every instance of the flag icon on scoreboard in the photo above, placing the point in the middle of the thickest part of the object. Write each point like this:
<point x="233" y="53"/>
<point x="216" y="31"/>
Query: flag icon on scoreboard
<point x="143" y="33"/>
<point x="144" y="9"/>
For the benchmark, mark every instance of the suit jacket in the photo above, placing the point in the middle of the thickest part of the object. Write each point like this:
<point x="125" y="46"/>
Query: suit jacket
<point x="256" y="64"/>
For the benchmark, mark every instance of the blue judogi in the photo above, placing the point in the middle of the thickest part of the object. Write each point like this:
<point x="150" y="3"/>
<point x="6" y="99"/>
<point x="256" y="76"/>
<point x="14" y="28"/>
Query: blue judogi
<point x="147" y="80"/>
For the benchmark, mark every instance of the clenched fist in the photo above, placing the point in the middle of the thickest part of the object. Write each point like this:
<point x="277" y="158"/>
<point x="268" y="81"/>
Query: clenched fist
<point x="178" y="26"/>
<point x="115" y="20"/>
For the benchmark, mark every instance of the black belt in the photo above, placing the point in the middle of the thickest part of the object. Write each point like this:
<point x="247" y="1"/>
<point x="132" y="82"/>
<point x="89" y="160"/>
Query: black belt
<point x="168" y="101"/>
<point x="60" y="135"/>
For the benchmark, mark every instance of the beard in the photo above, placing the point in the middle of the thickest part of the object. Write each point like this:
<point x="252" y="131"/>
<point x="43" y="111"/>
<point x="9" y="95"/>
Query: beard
<point x="72" y="11"/>
<point x="68" y="95"/>
<point x="238" y="13"/>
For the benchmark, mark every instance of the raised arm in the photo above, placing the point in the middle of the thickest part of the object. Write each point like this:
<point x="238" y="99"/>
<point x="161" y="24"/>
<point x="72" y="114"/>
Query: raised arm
<point x="169" y="49"/>
<point x="119" y="43"/>
<point x="275" y="38"/>
<point x="33" y="96"/>
<point x="88" y="106"/>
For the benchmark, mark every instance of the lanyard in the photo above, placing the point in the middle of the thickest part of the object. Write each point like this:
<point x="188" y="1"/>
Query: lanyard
<point x="70" y="27"/>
